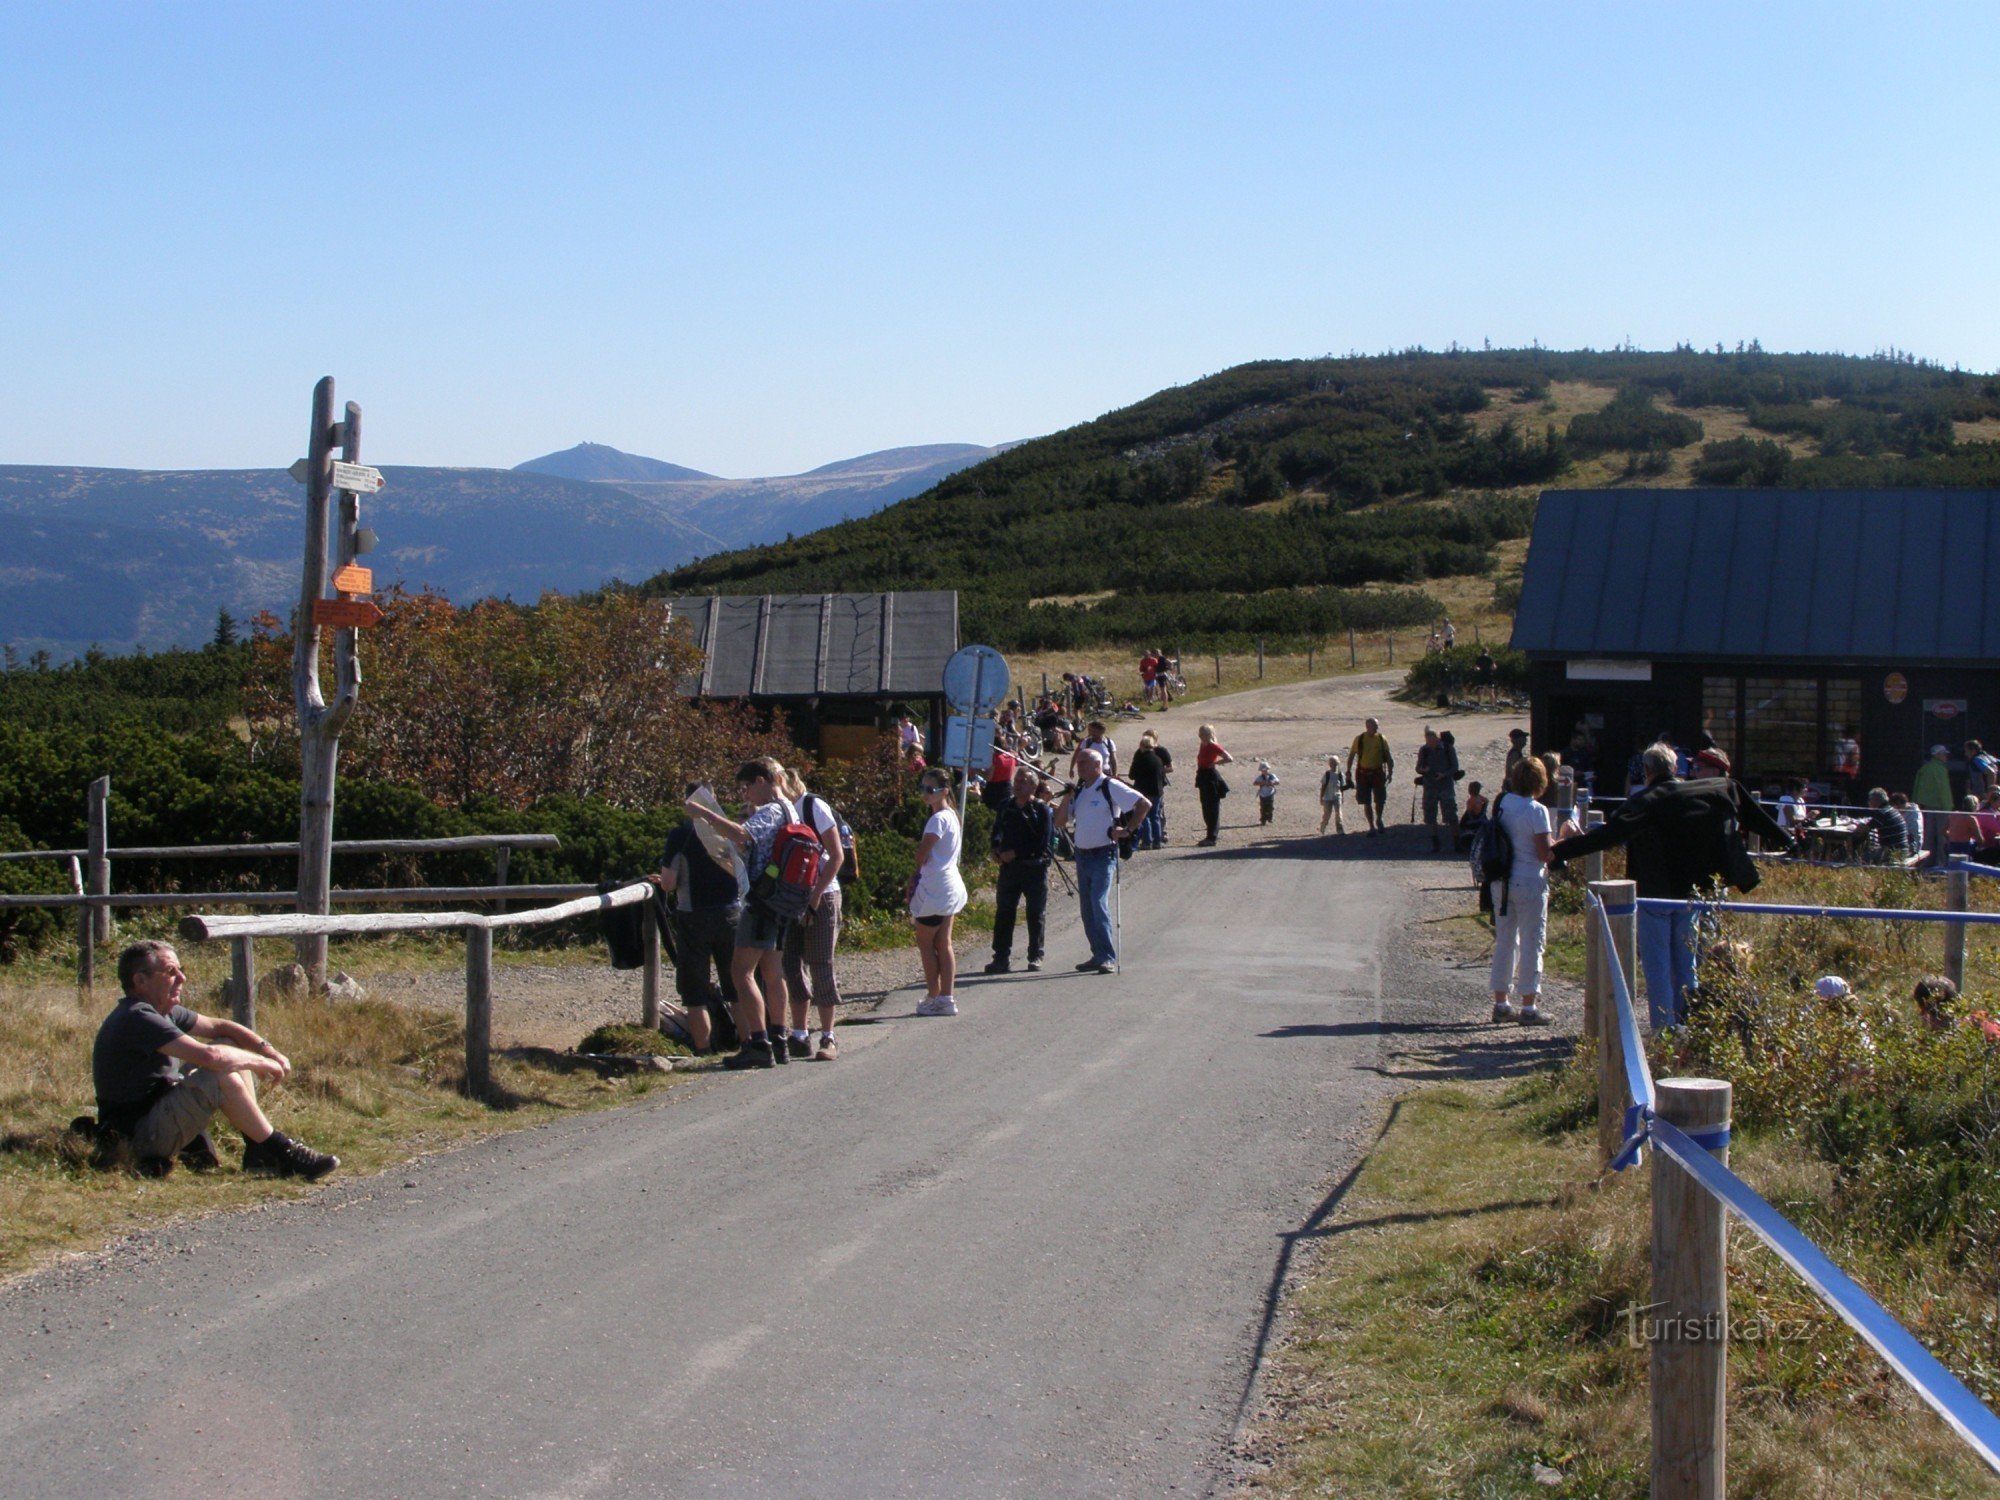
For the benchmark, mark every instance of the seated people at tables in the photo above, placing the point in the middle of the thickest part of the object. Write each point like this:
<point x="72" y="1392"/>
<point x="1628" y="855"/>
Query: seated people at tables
<point x="1794" y="812"/>
<point x="1913" y="819"/>
<point x="1888" y="834"/>
<point x="1963" y="837"/>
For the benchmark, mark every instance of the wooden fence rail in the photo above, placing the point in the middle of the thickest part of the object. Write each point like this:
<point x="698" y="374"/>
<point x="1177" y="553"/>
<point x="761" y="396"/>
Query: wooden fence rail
<point x="460" y="844"/>
<point x="241" y="932"/>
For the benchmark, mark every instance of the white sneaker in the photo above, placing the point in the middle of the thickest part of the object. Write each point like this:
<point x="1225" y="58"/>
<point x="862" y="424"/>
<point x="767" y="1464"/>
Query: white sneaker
<point x="1502" y="1011"/>
<point x="937" y="1005"/>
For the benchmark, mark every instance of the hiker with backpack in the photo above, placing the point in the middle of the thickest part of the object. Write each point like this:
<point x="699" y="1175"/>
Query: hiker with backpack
<point x="1679" y="837"/>
<point x="783" y="857"/>
<point x="937" y="894"/>
<point x="1511" y="858"/>
<point x="1101" y="813"/>
<point x="1023" y="835"/>
<point x="810" y="941"/>
<point x="703" y="882"/>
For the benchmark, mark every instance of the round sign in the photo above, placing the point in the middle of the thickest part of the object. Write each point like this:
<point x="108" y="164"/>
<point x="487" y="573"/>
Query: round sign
<point x="975" y="680"/>
<point x="1895" y="687"/>
<point x="1945" y="708"/>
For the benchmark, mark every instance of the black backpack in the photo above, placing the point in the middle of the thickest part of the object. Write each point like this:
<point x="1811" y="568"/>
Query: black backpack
<point x="1493" y="850"/>
<point x="845" y="834"/>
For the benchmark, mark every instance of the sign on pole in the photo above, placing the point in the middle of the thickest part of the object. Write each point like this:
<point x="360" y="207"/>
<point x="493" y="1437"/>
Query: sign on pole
<point x="968" y="743"/>
<point x="354" y="579"/>
<point x="346" y="614"/>
<point x="975" y="680"/>
<point x="357" y="479"/>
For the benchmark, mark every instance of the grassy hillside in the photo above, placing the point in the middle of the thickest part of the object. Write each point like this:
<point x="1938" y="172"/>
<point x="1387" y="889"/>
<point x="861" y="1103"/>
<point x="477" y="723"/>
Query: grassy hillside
<point x="1297" y="498"/>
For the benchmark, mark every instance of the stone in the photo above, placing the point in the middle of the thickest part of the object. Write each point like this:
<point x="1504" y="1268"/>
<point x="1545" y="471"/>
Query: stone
<point x="344" y="986"/>
<point x="286" y="982"/>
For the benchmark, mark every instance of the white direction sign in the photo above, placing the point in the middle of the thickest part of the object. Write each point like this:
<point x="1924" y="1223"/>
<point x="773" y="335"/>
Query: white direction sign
<point x="358" y="479"/>
<point x="975" y="680"/>
<point x="968" y="743"/>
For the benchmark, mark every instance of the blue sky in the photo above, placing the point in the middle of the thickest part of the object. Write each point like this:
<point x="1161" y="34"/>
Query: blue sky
<point x="756" y="238"/>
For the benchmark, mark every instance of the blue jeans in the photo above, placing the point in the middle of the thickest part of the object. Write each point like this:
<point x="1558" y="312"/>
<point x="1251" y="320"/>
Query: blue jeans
<point x="1153" y="832"/>
<point x="1666" y="958"/>
<point x="1095" y="870"/>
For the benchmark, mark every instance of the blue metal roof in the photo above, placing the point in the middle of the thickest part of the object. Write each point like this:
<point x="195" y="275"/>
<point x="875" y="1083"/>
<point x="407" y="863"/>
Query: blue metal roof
<point x="1903" y="575"/>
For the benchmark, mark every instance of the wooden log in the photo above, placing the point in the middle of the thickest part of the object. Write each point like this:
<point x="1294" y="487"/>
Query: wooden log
<point x="478" y="1010"/>
<point x="86" y="949"/>
<point x="98" y="813"/>
<point x="1611" y="1092"/>
<point x="1260" y="658"/>
<point x="1353" y="651"/>
<point x="649" y="974"/>
<point x="318" y="745"/>
<point x="625" y="895"/>
<point x="202" y="928"/>
<point x="1689" y="1321"/>
<point x="473" y="842"/>
<point x="243" y="981"/>
<point x="357" y="896"/>
<point x="500" y="873"/>
<point x="1957" y="897"/>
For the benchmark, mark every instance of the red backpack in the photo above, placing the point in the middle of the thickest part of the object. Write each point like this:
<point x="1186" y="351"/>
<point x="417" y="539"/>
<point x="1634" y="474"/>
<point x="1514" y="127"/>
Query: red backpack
<point x="784" y="886"/>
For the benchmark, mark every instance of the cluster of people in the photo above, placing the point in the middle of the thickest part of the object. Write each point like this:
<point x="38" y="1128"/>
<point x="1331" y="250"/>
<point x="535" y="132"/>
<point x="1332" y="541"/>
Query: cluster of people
<point x="1160" y="677"/>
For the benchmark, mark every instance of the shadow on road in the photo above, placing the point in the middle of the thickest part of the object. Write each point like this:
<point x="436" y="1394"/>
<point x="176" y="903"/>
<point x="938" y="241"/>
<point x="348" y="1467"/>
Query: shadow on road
<point x="1396" y="847"/>
<point x="1375" y="1028"/>
<point x="1511" y="1053"/>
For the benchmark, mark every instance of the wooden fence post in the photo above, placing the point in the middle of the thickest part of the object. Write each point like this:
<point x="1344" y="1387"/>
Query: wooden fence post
<point x="649" y="974"/>
<point x="243" y="981"/>
<point x="1260" y="658"/>
<point x="1689" y="1322"/>
<point x="1218" y="670"/>
<point x="1391" y="639"/>
<point x="1309" y="658"/>
<point x="478" y="1010"/>
<point x="1957" y="897"/>
<point x="500" y="863"/>
<point x="1610" y="1041"/>
<point x="86" y="948"/>
<point x="1353" y="655"/>
<point x="1593" y="954"/>
<point x="97" y="812"/>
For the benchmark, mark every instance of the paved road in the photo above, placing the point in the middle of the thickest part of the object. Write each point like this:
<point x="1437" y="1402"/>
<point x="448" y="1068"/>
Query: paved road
<point x="1027" y="1251"/>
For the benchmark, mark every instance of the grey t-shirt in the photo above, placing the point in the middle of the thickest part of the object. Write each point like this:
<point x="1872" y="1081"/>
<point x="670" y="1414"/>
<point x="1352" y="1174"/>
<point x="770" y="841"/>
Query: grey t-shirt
<point x="126" y="1064"/>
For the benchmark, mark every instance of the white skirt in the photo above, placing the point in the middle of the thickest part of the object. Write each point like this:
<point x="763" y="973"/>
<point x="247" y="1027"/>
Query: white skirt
<point x="939" y="895"/>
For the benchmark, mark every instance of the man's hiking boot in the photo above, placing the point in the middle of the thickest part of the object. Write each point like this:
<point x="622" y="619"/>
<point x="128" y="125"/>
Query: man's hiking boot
<point x="1531" y="1015"/>
<point x="198" y="1155"/>
<point x="1502" y="1011"/>
<point x="1034" y="966"/>
<point x="827" y="1051"/>
<point x="998" y="966"/>
<point x="802" y="1047"/>
<point x="281" y="1156"/>
<point x="154" y="1166"/>
<point x="755" y="1053"/>
<point x="780" y="1053"/>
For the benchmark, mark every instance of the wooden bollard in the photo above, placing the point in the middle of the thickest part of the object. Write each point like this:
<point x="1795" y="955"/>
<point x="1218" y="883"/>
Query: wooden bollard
<point x="1957" y="897"/>
<point x="97" y="814"/>
<point x="1689" y="1318"/>
<point x="1593" y="978"/>
<point x="1611" y="1091"/>
<point x="478" y="1011"/>
<point x="649" y="973"/>
<point x="243" y="981"/>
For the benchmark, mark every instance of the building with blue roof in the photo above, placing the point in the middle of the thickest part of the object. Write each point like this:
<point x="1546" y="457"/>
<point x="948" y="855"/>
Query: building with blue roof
<point x="1777" y="620"/>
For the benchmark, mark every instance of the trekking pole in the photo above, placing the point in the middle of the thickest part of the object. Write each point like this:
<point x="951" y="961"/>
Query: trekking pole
<point x="1118" y="901"/>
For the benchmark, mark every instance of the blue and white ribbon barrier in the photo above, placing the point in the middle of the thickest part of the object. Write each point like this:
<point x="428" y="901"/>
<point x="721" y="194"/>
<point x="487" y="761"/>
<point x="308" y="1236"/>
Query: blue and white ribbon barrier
<point x="1942" y="1391"/>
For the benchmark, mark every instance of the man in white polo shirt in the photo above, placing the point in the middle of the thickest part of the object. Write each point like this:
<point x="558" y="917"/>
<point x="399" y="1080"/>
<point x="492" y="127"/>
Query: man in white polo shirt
<point x="1101" y="812"/>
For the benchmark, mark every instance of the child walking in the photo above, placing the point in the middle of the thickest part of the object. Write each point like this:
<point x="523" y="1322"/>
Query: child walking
<point x="1331" y="785"/>
<point x="1267" y="791"/>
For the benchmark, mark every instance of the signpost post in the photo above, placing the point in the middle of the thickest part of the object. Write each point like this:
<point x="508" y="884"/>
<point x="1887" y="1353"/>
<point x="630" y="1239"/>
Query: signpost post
<point x="320" y="722"/>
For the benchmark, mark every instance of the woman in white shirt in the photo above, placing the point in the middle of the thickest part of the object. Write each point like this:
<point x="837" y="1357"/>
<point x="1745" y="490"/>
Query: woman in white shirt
<point x="937" y="894"/>
<point x="1521" y="901"/>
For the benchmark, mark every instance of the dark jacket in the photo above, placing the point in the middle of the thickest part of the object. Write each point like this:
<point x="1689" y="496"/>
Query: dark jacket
<point x="1676" y="833"/>
<point x="1025" y="830"/>
<point x="1146" y="772"/>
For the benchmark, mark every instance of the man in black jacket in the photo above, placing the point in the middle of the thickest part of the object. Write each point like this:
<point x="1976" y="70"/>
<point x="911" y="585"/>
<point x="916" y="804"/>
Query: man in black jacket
<point x="1021" y="838"/>
<point x="1676" y="836"/>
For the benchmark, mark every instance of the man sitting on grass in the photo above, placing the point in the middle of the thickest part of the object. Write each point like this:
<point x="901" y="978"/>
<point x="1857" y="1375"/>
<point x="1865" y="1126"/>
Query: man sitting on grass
<point x="143" y="1095"/>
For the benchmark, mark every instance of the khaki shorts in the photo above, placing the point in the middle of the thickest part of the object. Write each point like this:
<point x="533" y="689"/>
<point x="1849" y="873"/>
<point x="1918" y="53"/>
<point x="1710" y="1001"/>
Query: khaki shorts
<point x="180" y="1116"/>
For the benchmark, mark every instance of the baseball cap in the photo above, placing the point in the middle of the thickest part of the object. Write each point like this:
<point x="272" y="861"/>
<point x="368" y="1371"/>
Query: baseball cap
<point x="1939" y="750"/>
<point x="1831" y="987"/>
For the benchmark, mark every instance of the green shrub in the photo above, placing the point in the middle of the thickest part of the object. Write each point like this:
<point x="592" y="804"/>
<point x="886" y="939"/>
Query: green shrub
<point x="1440" y="671"/>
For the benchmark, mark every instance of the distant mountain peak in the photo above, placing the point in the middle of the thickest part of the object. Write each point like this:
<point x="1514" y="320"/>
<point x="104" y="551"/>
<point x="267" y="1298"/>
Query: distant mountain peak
<point x="597" y="461"/>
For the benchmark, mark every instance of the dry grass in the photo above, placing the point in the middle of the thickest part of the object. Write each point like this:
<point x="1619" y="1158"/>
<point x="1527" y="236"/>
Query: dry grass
<point x="375" y="1083"/>
<point x="1463" y="1324"/>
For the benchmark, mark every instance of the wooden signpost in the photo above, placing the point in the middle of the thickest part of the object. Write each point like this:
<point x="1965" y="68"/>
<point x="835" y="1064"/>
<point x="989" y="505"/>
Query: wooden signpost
<point x="320" y="722"/>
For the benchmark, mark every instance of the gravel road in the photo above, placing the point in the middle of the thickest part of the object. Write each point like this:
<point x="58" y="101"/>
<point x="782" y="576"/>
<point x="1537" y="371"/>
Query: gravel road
<point x="1032" y="1250"/>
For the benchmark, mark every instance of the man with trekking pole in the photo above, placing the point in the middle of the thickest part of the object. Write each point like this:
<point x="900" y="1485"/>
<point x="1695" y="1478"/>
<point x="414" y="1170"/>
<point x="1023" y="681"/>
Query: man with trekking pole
<point x="1102" y="813"/>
